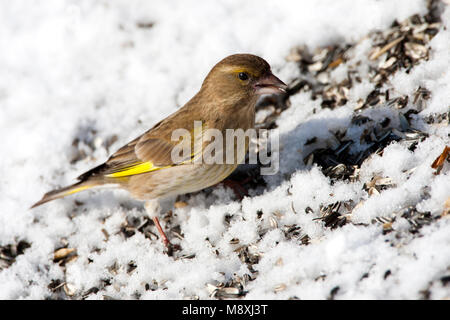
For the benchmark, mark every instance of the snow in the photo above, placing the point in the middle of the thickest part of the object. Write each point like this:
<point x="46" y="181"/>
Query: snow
<point x="86" y="70"/>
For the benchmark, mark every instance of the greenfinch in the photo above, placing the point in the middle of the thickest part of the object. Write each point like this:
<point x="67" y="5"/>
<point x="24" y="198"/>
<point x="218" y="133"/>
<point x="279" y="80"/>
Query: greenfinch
<point x="145" y="166"/>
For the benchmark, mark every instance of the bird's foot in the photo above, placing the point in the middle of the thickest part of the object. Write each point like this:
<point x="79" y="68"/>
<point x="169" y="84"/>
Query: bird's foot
<point x="237" y="187"/>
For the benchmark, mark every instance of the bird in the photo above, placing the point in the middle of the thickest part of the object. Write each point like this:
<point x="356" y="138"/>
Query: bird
<point x="145" y="166"/>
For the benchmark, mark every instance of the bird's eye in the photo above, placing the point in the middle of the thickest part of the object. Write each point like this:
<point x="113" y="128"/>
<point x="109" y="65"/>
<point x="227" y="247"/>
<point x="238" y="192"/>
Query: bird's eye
<point x="243" y="76"/>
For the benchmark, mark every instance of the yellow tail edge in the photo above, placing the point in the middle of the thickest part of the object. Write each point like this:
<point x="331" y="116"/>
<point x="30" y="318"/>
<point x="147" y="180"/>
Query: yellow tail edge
<point x="60" y="193"/>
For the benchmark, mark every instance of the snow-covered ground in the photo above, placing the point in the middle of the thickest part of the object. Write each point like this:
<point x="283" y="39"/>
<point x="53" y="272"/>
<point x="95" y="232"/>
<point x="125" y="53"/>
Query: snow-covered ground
<point x="81" y="78"/>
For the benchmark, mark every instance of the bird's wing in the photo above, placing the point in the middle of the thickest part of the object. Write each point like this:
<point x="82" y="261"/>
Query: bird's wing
<point x="127" y="161"/>
<point x="149" y="152"/>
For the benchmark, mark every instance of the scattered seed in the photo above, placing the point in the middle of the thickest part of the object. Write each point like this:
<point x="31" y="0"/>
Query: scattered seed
<point x="280" y="287"/>
<point x="63" y="253"/>
<point x="387" y="47"/>
<point x="69" y="289"/>
<point x="439" y="162"/>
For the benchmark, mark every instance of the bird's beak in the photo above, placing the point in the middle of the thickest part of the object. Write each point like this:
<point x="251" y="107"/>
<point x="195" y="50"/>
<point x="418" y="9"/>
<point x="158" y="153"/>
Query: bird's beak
<point x="270" y="84"/>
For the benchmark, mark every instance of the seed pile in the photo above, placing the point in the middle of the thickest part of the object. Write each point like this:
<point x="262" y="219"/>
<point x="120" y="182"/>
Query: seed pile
<point x="401" y="47"/>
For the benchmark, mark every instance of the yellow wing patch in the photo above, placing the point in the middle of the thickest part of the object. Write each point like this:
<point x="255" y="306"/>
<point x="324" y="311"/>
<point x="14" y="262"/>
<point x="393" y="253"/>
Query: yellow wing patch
<point x="135" y="169"/>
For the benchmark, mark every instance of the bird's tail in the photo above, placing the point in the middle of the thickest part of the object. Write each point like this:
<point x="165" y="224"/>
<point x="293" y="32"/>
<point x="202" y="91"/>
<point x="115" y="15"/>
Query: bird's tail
<point x="59" y="193"/>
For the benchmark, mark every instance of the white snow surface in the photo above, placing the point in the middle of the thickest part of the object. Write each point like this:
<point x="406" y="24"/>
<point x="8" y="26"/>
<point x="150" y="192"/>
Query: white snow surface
<point x="72" y="65"/>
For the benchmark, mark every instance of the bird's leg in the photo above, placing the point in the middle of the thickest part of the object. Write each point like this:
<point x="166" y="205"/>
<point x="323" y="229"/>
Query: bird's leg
<point x="161" y="231"/>
<point x="153" y="208"/>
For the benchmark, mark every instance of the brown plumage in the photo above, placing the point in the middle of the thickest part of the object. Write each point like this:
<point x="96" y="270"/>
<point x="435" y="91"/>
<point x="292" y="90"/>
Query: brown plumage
<point x="144" y="166"/>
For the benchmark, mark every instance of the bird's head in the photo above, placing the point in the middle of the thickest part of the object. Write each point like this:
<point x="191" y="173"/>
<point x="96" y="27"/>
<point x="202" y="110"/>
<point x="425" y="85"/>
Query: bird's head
<point x="242" y="76"/>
